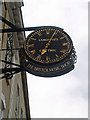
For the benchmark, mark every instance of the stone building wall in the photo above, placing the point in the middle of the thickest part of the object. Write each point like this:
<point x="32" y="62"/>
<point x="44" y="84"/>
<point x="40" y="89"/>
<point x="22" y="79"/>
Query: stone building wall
<point x="14" y="102"/>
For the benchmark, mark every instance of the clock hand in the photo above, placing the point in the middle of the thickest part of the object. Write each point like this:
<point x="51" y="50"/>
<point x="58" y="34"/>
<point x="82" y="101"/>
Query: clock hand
<point x="43" y="52"/>
<point x="50" y="40"/>
<point x="45" y="49"/>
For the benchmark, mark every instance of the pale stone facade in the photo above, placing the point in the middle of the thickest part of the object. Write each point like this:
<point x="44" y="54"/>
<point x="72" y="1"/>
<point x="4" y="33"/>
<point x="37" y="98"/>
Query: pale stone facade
<point x="14" y="101"/>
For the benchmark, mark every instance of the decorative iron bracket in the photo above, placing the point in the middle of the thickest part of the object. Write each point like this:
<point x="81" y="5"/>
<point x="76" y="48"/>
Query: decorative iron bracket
<point x="10" y="71"/>
<point x="15" y="29"/>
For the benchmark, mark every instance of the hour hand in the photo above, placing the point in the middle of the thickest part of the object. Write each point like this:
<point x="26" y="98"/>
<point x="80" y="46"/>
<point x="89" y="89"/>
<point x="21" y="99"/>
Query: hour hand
<point x="43" y="51"/>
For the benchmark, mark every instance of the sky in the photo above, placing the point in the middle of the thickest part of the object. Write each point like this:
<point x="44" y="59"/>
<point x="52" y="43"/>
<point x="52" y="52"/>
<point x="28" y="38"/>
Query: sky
<point x="64" y="96"/>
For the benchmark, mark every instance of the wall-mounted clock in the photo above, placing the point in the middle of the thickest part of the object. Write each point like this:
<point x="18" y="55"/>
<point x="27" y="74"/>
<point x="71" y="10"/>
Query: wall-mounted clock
<point x="47" y="52"/>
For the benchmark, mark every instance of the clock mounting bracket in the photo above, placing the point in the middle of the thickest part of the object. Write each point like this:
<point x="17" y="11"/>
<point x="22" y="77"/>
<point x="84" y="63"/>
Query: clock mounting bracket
<point x="10" y="71"/>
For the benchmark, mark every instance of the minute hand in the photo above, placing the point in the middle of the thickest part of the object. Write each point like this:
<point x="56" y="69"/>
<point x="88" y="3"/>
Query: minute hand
<point x="49" y="40"/>
<point x="44" y="50"/>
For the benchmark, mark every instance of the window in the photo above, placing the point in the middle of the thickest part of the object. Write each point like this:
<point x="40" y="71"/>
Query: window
<point x="21" y="117"/>
<point x="17" y="103"/>
<point x="3" y="105"/>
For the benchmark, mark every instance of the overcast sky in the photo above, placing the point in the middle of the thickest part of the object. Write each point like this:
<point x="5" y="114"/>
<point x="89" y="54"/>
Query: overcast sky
<point x="65" y="96"/>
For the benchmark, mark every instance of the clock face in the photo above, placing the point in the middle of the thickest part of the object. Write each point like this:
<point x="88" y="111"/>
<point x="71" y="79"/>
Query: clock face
<point x="48" y="45"/>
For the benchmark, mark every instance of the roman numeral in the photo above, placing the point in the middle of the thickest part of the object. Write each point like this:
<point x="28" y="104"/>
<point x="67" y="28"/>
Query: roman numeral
<point x="57" y="55"/>
<point x="64" y="44"/>
<point x="32" y="51"/>
<point x="39" y="57"/>
<point x="32" y="45"/>
<point x="62" y="51"/>
<point x="39" y="33"/>
<point x="62" y="38"/>
<point x="47" y="58"/>
<point x="47" y="32"/>
<point x="33" y="39"/>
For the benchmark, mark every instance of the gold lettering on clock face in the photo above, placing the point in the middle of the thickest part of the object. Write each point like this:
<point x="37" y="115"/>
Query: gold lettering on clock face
<point x="47" y="45"/>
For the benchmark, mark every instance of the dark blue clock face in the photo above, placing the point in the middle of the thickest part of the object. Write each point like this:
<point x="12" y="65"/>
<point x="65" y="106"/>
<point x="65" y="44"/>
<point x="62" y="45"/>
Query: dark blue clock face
<point x="48" y="45"/>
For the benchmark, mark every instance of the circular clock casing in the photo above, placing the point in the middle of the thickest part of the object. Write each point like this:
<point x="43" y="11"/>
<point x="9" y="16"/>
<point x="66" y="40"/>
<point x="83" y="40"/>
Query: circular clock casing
<point x="47" y="52"/>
